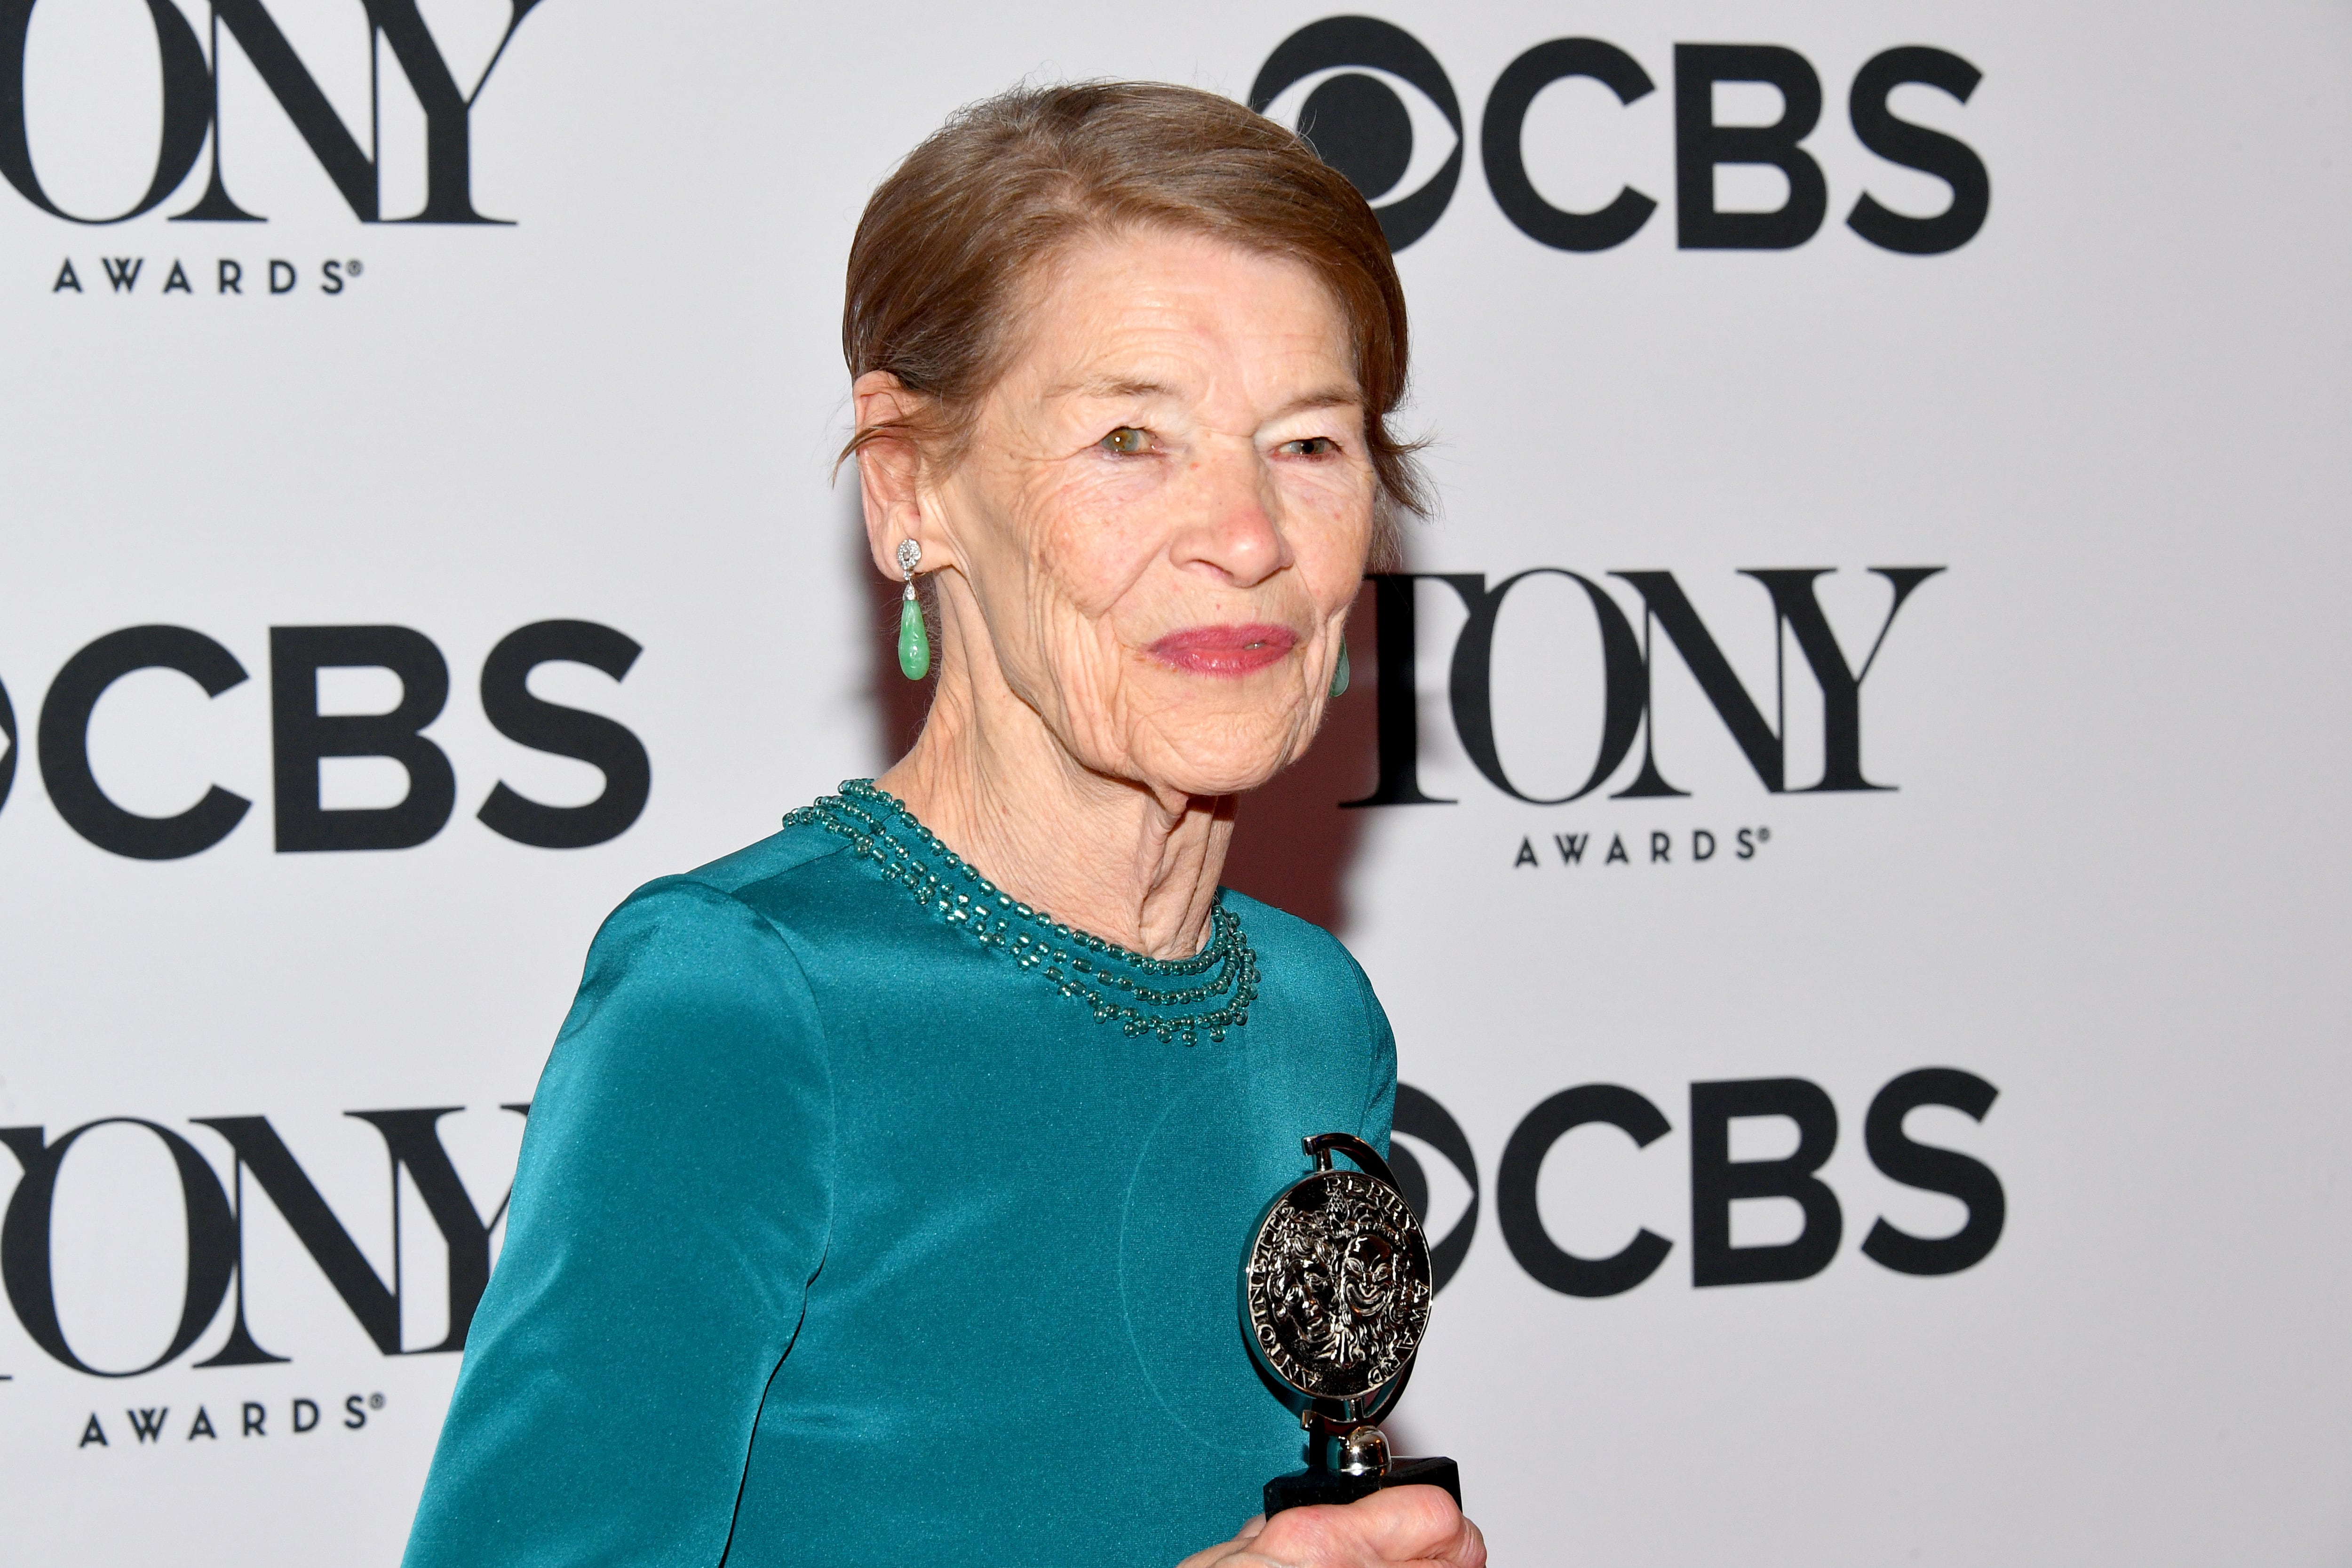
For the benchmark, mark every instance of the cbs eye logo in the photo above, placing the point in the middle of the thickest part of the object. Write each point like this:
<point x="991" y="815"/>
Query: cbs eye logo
<point x="1379" y="108"/>
<point x="1350" y="85"/>
<point x="7" y="745"/>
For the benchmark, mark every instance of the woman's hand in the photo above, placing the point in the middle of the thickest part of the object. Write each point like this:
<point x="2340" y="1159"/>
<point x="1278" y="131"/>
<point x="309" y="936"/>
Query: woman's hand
<point x="1399" y="1527"/>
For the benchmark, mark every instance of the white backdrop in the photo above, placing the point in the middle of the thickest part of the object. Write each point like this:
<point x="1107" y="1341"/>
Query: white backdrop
<point x="2107" y="881"/>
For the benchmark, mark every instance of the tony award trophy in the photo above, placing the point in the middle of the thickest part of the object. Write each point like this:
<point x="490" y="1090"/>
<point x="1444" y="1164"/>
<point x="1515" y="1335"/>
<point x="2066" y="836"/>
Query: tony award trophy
<point x="1335" y="1299"/>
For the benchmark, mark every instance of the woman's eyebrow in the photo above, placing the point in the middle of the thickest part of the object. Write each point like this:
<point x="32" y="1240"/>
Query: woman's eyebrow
<point x="1108" y="387"/>
<point x="1324" y="397"/>
<point x="1112" y="387"/>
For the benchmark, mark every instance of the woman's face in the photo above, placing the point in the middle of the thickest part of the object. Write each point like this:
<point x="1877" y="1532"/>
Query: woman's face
<point x="1163" y="513"/>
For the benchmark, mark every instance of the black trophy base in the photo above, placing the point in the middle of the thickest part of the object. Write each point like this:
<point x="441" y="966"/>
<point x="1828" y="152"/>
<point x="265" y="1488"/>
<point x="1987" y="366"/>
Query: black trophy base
<point x="1309" y="1487"/>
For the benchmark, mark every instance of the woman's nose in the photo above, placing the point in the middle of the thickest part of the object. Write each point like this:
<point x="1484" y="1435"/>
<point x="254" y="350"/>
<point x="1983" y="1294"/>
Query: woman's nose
<point x="1231" y="528"/>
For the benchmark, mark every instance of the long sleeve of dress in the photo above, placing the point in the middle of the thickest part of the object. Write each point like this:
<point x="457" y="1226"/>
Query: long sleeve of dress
<point x="670" y="1206"/>
<point x="1380" y="1075"/>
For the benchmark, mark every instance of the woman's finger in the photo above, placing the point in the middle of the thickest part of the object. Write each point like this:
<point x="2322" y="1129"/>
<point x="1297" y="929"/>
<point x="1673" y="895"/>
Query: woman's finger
<point x="1398" y="1525"/>
<point x="1227" y="1552"/>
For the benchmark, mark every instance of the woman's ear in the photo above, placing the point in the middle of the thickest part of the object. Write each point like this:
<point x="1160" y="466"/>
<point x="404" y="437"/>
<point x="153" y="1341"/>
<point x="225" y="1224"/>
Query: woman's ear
<point x="889" y="468"/>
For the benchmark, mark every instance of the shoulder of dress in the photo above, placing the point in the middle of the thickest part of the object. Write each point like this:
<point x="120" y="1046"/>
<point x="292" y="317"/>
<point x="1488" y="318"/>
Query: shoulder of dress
<point x="762" y="883"/>
<point x="1298" y="955"/>
<point x="807" y="883"/>
<point x="798" y="843"/>
<point x="1270" y="929"/>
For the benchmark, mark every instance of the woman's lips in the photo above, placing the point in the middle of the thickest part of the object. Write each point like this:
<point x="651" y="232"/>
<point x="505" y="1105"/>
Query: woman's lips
<point x="1225" y="651"/>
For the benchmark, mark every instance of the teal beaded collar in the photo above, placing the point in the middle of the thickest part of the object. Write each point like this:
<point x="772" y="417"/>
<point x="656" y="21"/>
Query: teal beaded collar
<point x="1117" y="984"/>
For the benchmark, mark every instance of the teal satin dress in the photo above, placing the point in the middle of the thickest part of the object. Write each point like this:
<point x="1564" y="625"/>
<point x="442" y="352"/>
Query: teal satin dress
<point x="867" y="1217"/>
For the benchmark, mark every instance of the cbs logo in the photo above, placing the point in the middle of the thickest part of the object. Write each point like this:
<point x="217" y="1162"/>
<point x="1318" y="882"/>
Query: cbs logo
<point x="1379" y="109"/>
<point x="304" y="733"/>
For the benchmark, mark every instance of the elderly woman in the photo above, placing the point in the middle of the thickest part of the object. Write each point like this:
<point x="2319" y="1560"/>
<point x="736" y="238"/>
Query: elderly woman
<point x="869" y="1212"/>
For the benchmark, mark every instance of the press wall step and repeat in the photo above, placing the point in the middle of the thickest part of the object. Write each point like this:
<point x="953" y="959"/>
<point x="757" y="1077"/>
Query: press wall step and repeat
<point x="1843" y="804"/>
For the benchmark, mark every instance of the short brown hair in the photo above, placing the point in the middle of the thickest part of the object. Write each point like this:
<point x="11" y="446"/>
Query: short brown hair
<point x="951" y="237"/>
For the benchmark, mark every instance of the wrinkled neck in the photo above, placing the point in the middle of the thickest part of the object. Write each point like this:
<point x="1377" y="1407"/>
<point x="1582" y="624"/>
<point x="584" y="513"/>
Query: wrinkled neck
<point x="1133" y="865"/>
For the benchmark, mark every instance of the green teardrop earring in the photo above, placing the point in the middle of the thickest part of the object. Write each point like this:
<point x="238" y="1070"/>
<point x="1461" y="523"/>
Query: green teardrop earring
<point x="1339" y="672"/>
<point x="914" y="637"/>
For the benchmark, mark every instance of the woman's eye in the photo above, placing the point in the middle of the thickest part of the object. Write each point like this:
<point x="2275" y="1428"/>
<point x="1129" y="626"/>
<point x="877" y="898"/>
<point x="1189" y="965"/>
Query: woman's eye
<point x="1126" y="441"/>
<point x="1311" y="447"/>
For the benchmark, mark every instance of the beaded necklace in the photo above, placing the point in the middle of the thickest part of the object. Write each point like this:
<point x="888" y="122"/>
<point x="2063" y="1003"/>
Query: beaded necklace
<point x="1111" y="980"/>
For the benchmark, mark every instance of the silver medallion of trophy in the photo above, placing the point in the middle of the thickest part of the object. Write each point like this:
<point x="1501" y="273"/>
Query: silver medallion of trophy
<point x="1336" y="1291"/>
